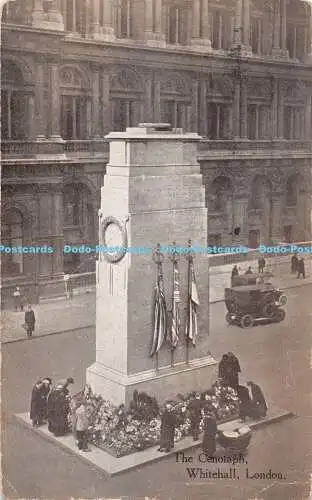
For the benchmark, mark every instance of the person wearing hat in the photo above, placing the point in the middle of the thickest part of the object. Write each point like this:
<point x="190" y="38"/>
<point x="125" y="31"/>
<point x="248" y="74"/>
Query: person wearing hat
<point x="195" y="407"/>
<point x="81" y="425"/>
<point x="59" y="407"/>
<point x="30" y="321"/>
<point x="210" y="432"/>
<point x="168" y="422"/>
<point x="35" y="404"/>
<point x="44" y="394"/>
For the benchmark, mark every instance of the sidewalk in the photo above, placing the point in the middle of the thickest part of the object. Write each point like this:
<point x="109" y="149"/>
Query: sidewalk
<point x="61" y="315"/>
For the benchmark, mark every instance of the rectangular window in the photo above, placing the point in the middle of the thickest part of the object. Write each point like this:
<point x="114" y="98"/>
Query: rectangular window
<point x="123" y="114"/>
<point x="221" y="30"/>
<point x="218" y="121"/>
<point x="126" y="15"/>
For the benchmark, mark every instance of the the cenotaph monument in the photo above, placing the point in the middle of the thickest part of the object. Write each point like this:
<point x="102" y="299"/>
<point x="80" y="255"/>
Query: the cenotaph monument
<point x="153" y="193"/>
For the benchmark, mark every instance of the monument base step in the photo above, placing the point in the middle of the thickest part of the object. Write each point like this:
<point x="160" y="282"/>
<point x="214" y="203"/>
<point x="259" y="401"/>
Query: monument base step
<point x="112" y="466"/>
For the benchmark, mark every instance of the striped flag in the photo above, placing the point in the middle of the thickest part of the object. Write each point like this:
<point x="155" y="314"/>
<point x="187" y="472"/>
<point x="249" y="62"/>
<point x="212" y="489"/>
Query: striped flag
<point x="159" y="320"/>
<point x="192" y="323"/>
<point x="175" y="325"/>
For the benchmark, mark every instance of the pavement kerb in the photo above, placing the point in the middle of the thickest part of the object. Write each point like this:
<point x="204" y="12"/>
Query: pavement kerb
<point x="69" y="451"/>
<point x="28" y="339"/>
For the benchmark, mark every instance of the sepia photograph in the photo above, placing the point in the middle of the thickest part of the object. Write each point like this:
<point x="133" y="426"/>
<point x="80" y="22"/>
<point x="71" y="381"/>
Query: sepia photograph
<point x="156" y="249"/>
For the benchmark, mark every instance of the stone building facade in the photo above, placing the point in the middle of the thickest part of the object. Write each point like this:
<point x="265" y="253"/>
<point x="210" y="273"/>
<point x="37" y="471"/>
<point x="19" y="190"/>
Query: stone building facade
<point x="238" y="72"/>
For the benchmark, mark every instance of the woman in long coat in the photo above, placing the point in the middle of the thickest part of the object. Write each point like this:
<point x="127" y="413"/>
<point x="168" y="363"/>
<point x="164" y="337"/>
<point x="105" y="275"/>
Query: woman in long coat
<point x="210" y="433"/>
<point x="168" y="422"/>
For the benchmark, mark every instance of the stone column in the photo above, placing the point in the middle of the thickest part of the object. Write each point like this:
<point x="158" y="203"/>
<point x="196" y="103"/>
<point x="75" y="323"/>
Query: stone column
<point x="275" y="108"/>
<point x="149" y="100"/>
<point x="95" y="102"/>
<point x="308" y="118"/>
<point x="89" y="118"/>
<point x="238" y="26"/>
<point x="309" y="55"/>
<point x="246" y="25"/>
<point x="96" y="18"/>
<point x="203" y="107"/>
<point x="157" y="101"/>
<point x="280" y="125"/>
<point x="106" y="104"/>
<point x="55" y="100"/>
<point x="237" y="109"/>
<point x="108" y="29"/>
<point x="195" y="106"/>
<point x="283" y="24"/>
<point x="31" y="116"/>
<point x="39" y="17"/>
<point x="244" y="107"/>
<point x="40" y="106"/>
<point x="153" y="160"/>
<point x="58" y="230"/>
<point x="200" y="24"/>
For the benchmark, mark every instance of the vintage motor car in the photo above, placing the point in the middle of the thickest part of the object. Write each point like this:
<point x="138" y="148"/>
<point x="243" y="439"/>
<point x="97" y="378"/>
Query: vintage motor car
<point x="253" y="298"/>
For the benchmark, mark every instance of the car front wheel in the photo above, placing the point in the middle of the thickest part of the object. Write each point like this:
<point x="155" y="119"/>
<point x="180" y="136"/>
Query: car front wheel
<point x="246" y="321"/>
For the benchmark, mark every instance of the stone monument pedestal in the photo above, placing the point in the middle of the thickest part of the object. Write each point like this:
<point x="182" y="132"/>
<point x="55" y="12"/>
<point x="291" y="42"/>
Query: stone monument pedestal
<point x="153" y="193"/>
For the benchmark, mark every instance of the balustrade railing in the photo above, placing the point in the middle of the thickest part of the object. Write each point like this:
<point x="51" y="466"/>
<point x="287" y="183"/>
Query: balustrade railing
<point x="30" y="148"/>
<point x="254" y="145"/>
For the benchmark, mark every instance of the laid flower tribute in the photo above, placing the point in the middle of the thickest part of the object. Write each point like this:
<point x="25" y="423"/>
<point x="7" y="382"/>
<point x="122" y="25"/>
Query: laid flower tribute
<point x="121" y="432"/>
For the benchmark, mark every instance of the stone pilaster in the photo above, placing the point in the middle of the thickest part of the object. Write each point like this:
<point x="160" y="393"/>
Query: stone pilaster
<point x="246" y="26"/>
<point x="308" y="118"/>
<point x="309" y="55"/>
<point x="105" y="98"/>
<point x="40" y="107"/>
<point x="244" y="107"/>
<point x="237" y="109"/>
<point x="275" y="100"/>
<point x="238" y="24"/>
<point x="58" y="230"/>
<point x="95" y="102"/>
<point x="149" y="99"/>
<point x="157" y="101"/>
<point x="200" y="25"/>
<point x="203" y="119"/>
<point x="195" y="106"/>
<point x="31" y="116"/>
<point x="54" y="96"/>
<point x="280" y="110"/>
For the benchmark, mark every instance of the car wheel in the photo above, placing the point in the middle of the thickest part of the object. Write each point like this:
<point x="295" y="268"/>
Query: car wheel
<point x="229" y="318"/>
<point x="246" y="321"/>
<point x="279" y="315"/>
<point x="269" y="311"/>
<point x="283" y="300"/>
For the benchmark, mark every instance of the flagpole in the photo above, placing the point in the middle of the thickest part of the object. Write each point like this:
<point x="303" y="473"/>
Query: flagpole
<point x="158" y="258"/>
<point x="173" y="256"/>
<point x="189" y="260"/>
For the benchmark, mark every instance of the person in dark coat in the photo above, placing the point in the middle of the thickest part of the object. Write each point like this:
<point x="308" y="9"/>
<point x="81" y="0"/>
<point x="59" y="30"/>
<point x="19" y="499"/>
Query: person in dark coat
<point x="223" y="369"/>
<point x="36" y="405"/>
<point x="44" y="393"/>
<point x="261" y="264"/>
<point x="249" y="271"/>
<point x="301" y="268"/>
<point x="258" y="403"/>
<point x="210" y="433"/>
<point x="244" y="402"/>
<point x="58" y="408"/>
<point x="294" y="263"/>
<point x="168" y="422"/>
<point x="30" y="321"/>
<point x="195" y="408"/>
<point x="233" y="370"/>
<point x="234" y="272"/>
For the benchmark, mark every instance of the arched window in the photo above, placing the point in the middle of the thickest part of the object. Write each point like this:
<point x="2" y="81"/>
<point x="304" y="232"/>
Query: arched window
<point x="12" y="236"/>
<point x="14" y="102"/>
<point x="74" y="102"/>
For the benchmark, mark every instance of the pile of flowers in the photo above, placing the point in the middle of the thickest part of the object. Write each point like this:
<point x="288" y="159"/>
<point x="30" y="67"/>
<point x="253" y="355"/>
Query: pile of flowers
<point x="121" y="431"/>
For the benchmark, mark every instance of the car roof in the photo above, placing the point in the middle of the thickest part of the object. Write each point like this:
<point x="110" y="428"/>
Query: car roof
<point x="248" y="288"/>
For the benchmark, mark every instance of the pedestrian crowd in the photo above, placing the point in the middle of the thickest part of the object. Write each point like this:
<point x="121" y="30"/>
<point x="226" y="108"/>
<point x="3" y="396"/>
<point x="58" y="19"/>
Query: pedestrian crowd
<point x="52" y="404"/>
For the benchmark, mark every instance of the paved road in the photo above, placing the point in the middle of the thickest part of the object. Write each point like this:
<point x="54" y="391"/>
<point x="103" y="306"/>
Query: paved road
<point x="277" y="356"/>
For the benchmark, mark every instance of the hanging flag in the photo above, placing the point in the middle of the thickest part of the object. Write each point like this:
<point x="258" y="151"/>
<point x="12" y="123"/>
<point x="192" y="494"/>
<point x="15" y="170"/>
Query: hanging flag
<point x="192" y="323"/>
<point x="175" y="325"/>
<point x="160" y="319"/>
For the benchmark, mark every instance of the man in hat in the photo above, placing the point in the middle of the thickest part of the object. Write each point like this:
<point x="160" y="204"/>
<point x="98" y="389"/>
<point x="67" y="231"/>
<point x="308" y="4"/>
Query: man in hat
<point x="59" y="407"/>
<point x="30" y="321"/>
<point x="195" y="407"/>
<point x="44" y="394"/>
<point x="36" y="404"/>
<point x="168" y="422"/>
